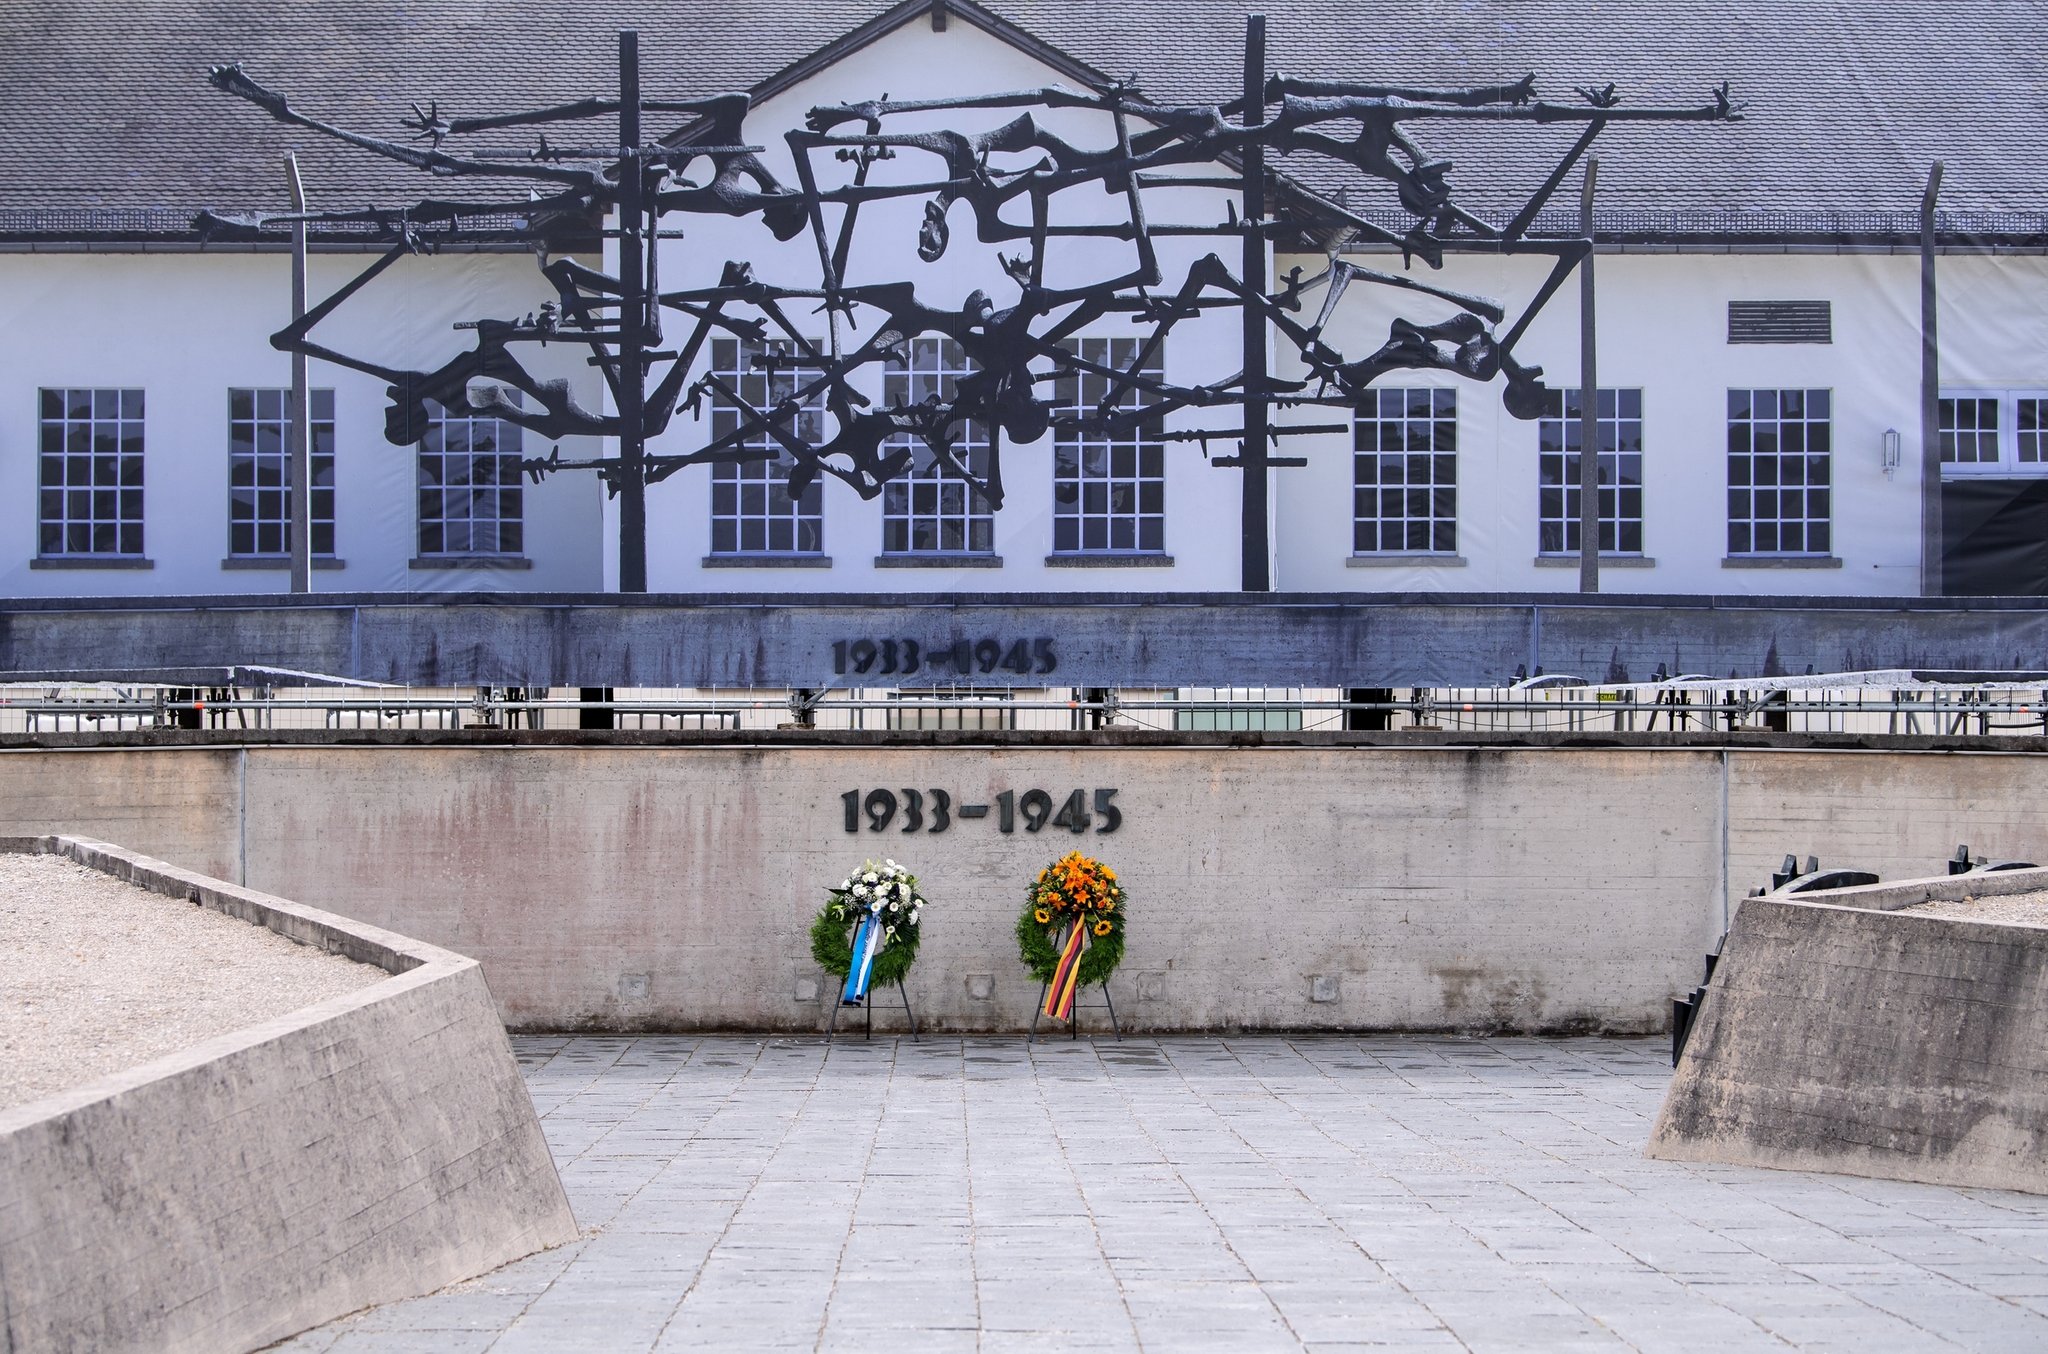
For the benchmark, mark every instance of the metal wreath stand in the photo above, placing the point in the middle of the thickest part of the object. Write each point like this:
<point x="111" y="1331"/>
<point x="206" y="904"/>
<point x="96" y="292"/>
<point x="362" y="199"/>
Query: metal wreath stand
<point x="867" y="1005"/>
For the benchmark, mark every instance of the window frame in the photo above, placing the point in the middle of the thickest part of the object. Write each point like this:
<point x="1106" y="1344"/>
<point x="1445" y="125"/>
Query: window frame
<point x="1568" y="485"/>
<point x="1778" y="521"/>
<point x="2008" y="465"/>
<point x="1440" y="528"/>
<point x="439" y="417"/>
<point x="928" y="477"/>
<point x="119" y="519"/>
<point x="256" y="421"/>
<point x="1072" y="479"/>
<point x="769" y="476"/>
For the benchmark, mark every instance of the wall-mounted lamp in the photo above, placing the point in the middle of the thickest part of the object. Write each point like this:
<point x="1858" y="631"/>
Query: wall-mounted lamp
<point x="1891" y="451"/>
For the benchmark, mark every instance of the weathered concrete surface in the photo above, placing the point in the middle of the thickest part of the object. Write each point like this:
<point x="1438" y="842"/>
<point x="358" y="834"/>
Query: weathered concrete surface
<point x="184" y="808"/>
<point x="656" y="888"/>
<point x="1895" y="815"/>
<point x="1850" y="1039"/>
<point x="374" y="1146"/>
<point x="670" y="887"/>
<point x="1100" y="639"/>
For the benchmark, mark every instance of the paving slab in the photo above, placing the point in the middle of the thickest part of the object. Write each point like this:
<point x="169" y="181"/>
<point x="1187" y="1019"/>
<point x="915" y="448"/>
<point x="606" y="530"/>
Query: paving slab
<point x="1326" y="1194"/>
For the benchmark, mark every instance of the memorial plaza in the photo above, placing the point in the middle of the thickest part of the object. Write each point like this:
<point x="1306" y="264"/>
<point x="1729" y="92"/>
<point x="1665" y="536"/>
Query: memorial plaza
<point x="1526" y="687"/>
<point x="1248" y="1194"/>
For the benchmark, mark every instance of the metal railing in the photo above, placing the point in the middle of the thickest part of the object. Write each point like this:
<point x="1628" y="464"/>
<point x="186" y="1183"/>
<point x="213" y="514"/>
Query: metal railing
<point x="1549" y="704"/>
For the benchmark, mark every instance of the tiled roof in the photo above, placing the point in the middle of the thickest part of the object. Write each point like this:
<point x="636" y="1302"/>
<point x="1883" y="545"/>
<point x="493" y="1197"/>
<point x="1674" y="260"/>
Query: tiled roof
<point x="109" y="121"/>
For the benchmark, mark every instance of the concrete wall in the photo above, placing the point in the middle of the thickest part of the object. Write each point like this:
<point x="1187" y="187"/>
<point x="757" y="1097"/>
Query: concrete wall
<point x="371" y="1147"/>
<point x="1856" y="1040"/>
<point x="1426" y="887"/>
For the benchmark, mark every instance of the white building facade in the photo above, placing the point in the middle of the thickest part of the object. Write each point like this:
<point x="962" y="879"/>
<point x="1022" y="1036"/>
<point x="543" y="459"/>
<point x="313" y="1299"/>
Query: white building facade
<point x="1760" y="410"/>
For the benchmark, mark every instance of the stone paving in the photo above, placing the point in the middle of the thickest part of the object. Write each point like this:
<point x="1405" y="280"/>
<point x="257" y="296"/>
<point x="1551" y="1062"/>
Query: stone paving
<point x="1253" y="1194"/>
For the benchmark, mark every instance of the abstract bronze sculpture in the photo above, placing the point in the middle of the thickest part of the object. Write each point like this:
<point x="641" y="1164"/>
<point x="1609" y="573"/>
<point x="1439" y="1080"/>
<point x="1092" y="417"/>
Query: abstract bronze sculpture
<point x="1007" y="177"/>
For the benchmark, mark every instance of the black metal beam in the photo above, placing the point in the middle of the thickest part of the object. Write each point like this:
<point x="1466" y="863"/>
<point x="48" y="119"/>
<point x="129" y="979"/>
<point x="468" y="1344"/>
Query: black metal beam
<point x="1160" y="640"/>
<point x="1257" y="561"/>
<point x="632" y="389"/>
<point x="1931" y="541"/>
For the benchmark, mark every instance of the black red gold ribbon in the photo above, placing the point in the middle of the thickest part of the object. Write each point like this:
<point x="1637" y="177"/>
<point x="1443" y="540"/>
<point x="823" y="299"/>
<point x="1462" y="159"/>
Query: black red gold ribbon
<point x="1066" y="977"/>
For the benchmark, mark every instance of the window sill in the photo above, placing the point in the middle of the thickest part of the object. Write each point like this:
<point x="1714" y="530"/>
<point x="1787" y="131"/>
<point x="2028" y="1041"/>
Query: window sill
<point x="1128" y="560"/>
<point x="767" y="561"/>
<point x="2030" y="470"/>
<point x="1406" y="560"/>
<point x="1606" y="562"/>
<point x="938" y="561"/>
<point x="470" y="562"/>
<point x="91" y="562"/>
<point x="1781" y="562"/>
<point x="281" y="563"/>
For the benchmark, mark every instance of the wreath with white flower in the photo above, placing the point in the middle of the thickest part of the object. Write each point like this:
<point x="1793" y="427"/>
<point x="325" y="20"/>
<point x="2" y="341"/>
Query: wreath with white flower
<point x="887" y="890"/>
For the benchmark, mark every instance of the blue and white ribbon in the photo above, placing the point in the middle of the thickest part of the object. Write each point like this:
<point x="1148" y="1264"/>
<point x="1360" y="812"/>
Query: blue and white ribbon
<point x="867" y="942"/>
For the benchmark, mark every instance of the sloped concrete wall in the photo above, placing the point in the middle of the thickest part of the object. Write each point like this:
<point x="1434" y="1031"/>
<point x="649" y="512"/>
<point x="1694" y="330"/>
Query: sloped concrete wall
<point x="371" y="1147"/>
<point x="1872" y="1043"/>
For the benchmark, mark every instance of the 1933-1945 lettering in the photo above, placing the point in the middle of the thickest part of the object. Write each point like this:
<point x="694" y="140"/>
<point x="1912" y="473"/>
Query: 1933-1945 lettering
<point x="936" y="811"/>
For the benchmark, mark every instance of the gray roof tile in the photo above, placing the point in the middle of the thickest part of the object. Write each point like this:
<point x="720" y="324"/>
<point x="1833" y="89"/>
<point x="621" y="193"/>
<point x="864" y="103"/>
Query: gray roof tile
<point x="107" y="106"/>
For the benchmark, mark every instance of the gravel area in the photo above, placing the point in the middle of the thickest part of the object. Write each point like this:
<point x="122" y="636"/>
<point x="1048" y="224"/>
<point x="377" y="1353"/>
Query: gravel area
<point x="97" y="975"/>
<point x="2027" y="909"/>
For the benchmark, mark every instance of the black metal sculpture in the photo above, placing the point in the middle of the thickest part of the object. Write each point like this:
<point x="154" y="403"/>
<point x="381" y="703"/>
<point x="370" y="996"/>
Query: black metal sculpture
<point x="1007" y="179"/>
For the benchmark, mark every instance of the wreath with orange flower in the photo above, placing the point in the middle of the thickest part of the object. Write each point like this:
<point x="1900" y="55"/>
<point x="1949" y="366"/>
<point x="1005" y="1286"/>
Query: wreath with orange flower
<point x="1073" y="889"/>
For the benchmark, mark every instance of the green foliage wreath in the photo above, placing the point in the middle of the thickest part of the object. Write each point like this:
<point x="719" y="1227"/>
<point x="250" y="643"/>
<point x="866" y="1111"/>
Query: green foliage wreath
<point x="1073" y="886"/>
<point x="895" y="889"/>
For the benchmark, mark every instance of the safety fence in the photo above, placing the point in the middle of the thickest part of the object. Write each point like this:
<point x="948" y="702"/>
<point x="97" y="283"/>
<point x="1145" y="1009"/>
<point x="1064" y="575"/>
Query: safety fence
<point x="1835" y="703"/>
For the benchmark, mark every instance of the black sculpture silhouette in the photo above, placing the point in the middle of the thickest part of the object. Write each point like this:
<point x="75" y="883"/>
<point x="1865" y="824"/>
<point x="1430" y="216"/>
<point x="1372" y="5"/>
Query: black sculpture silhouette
<point x="1014" y="353"/>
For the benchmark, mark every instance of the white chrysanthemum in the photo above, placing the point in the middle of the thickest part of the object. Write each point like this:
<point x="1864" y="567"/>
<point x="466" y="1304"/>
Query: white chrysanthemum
<point x="869" y="877"/>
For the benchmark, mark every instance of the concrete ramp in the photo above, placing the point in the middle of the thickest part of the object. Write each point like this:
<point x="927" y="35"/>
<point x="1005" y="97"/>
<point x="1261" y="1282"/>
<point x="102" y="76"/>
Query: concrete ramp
<point x="1846" y="1036"/>
<point x="373" y="1146"/>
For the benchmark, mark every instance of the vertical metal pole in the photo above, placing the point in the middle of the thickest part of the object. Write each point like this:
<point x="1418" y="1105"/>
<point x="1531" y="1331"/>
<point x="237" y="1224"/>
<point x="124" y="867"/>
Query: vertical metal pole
<point x="301" y="541"/>
<point x="1931" y="542"/>
<point x="1257" y="572"/>
<point x="632" y="327"/>
<point x="1589" y="403"/>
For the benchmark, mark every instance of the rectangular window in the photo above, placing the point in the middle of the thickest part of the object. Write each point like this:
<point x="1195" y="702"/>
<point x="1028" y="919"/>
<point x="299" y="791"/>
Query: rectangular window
<point x="90" y="478"/>
<point x="1239" y="708"/>
<point x="1993" y="433"/>
<point x="260" y="472"/>
<point x="1779" y="472"/>
<point x="752" y="512"/>
<point x="1621" y="473"/>
<point x="933" y="511"/>
<point x="2029" y="425"/>
<point x="471" y="500"/>
<point x="1405" y="472"/>
<point x="1108" y="484"/>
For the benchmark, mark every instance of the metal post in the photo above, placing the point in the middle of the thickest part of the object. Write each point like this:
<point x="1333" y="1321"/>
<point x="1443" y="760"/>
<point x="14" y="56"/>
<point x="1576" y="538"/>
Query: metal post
<point x="632" y="325"/>
<point x="1589" y="403"/>
<point x="1257" y="572"/>
<point x="1931" y="543"/>
<point x="301" y="541"/>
